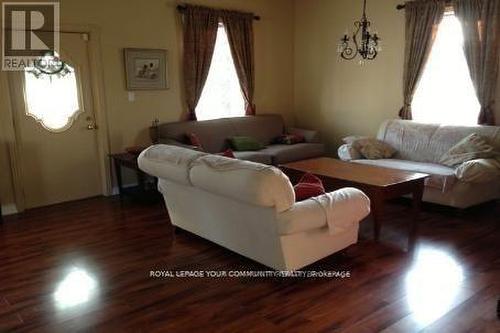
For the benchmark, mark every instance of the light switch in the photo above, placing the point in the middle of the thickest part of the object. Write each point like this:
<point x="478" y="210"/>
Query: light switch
<point x="131" y="96"/>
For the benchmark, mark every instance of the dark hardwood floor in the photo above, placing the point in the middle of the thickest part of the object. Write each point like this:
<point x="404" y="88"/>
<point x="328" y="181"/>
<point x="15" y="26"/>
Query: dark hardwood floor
<point x="85" y="266"/>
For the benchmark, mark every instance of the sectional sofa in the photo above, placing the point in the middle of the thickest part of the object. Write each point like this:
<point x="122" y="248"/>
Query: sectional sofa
<point x="214" y="135"/>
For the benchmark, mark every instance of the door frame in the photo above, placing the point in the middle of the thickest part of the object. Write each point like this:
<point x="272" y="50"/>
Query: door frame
<point x="99" y="106"/>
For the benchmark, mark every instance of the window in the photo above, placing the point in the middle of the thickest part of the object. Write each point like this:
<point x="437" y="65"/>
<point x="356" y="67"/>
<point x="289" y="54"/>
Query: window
<point x="221" y="96"/>
<point x="52" y="100"/>
<point x="445" y="94"/>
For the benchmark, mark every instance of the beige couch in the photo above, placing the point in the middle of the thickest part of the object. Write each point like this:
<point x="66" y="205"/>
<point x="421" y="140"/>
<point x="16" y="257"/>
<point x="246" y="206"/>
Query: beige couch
<point x="420" y="147"/>
<point x="250" y="208"/>
<point x="213" y="135"/>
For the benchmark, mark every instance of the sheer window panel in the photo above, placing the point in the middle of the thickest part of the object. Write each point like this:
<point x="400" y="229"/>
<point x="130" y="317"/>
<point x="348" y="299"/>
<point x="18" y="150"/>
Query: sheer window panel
<point x="221" y="96"/>
<point x="445" y="93"/>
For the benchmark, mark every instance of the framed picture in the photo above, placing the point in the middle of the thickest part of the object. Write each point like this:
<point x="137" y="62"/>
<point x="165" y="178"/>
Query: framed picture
<point x="146" y="69"/>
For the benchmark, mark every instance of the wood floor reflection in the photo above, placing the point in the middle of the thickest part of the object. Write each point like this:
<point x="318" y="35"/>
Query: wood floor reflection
<point x="86" y="266"/>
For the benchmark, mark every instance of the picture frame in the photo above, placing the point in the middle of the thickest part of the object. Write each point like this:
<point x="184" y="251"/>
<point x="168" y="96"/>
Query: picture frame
<point x="146" y="69"/>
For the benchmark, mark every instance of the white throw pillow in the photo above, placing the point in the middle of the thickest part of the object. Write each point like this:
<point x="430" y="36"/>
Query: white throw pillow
<point x="347" y="152"/>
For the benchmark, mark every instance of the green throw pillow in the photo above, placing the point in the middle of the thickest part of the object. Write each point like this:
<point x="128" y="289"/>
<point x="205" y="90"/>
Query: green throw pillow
<point x="245" y="143"/>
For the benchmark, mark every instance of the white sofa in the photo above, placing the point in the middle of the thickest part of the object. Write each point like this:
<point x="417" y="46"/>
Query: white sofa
<point x="420" y="147"/>
<point x="250" y="208"/>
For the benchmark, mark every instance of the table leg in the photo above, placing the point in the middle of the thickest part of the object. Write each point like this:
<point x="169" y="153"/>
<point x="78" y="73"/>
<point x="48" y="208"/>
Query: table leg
<point x="141" y="180"/>
<point x="118" y="172"/>
<point x="417" y="195"/>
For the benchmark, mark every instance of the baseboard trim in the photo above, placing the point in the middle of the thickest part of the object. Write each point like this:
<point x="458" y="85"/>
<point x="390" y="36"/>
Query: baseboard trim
<point x="9" y="209"/>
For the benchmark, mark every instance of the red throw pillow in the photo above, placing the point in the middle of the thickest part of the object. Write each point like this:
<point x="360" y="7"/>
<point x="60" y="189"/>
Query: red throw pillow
<point x="227" y="153"/>
<point x="308" y="186"/>
<point x="194" y="140"/>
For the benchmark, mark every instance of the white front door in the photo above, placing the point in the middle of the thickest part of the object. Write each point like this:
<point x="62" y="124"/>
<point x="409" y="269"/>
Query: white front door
<point x="55" y="125"/>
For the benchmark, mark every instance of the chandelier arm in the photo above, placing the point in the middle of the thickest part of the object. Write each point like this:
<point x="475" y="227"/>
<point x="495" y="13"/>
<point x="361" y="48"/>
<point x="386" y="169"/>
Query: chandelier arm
<point x="348" y="54"/>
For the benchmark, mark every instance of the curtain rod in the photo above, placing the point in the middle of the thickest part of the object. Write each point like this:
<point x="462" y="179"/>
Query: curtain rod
<point x="182" y="8"/>
<point x="402" y="6"/>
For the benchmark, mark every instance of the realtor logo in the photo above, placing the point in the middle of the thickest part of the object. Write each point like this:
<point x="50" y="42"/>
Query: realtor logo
<point x="30" y="30"/>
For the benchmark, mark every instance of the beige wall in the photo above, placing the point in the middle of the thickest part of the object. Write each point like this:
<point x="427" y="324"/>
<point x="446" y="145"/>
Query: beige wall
<point x="342" y="97"/>
<point x="156" y="24"/>
<point x="297" y="67"/>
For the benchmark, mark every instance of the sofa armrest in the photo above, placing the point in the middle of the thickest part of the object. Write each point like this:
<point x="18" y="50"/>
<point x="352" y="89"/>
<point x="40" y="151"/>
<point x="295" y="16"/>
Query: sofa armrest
<point x="303" y="216"/>
<point x="339" y="209"/>
<point x="478" y="171"/>
<point x="311" y="136"/>
<point x="172" y="142"/>
<point x="347" y="152"/>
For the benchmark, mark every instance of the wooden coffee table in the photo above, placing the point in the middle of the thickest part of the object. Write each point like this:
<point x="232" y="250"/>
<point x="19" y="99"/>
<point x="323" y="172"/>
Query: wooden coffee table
<point x="379" y="184"/>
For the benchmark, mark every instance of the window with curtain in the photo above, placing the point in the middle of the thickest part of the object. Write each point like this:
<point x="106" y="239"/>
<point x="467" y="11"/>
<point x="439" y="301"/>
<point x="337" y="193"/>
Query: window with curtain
<point x="221" y="96"/>
<point x="445" y="93"/>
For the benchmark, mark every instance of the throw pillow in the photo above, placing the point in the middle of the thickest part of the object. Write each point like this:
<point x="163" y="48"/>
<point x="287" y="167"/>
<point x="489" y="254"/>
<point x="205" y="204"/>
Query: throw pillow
<point x="227" y="153"/>
<point x="347" y="152"/>
<point x="289" y="139"/>
<point x="371" y="148"/>
<point x="195" y="141"/>
<point x="308" y="186"/>
<point x="469" y="148"/>
<point x="245" y="143"/>
<point x="478" y="171"/>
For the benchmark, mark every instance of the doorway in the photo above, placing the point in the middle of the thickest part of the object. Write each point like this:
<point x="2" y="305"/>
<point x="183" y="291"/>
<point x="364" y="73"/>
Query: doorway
<point x="56" y="129"/>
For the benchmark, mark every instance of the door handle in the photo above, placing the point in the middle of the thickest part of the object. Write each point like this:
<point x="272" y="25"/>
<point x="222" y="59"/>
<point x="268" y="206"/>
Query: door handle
<point x="91" y="124"/>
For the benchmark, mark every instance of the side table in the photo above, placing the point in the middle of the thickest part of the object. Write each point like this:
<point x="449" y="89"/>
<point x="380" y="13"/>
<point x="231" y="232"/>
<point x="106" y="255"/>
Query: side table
<point x="145" y="190"/>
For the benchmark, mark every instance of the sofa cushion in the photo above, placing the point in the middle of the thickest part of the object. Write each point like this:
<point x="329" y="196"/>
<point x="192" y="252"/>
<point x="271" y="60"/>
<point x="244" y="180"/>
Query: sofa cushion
<point x="469" y="148"/>
<point x="264" y="128"/>
<point x="441" y="177"/>
<point x="168" y="162"/>
<point x="253" y="156"/>
<point x="282" y="154"/>
<point x="253" y="183"/>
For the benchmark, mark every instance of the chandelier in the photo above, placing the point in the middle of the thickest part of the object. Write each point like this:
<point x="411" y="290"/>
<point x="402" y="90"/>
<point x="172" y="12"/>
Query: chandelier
<point x="366" y="45"/>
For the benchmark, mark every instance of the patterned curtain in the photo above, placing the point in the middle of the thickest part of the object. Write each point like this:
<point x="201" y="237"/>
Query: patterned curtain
<point x="200" y="33"/>
<point x="480" y="25"/>
<point x="422" y="20"/>
<point x="239" y="28"/>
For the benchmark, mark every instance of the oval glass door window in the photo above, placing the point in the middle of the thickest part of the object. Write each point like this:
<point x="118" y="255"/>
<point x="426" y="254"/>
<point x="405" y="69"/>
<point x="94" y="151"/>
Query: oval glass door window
<point x="53" y="100"/>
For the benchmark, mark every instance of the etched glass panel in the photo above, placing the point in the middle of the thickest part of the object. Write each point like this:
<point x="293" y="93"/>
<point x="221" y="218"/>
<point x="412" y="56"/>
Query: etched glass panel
<point x="52" y="99"/>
